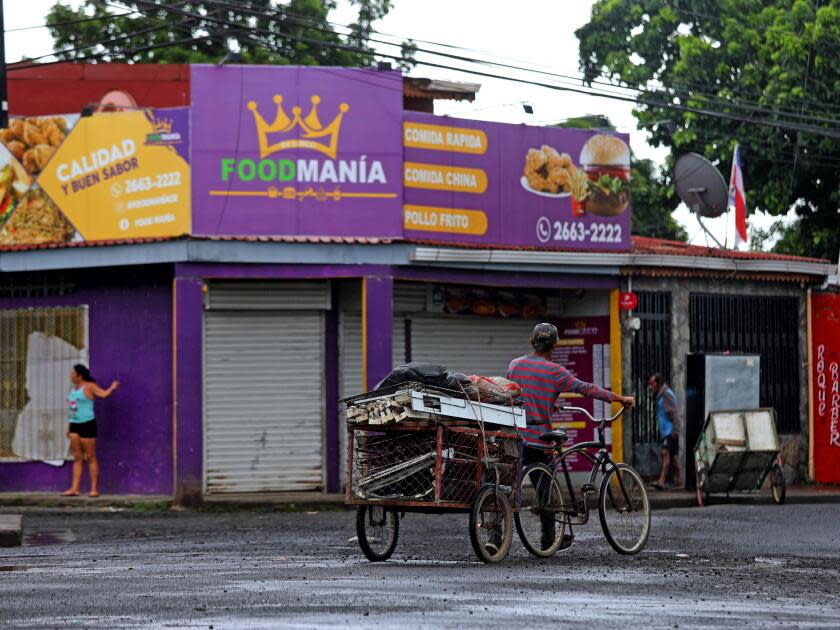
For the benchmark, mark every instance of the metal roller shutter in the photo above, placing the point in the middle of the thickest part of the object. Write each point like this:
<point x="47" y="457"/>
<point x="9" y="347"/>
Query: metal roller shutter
<point x="470" y="345"/>
<point x="268" y="296"/>
<point x="350" y="378"/>
<point x="350" y="375"/>
<point x="263" y="400"/>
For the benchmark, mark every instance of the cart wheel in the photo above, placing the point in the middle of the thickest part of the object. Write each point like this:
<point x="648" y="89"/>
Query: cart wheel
<point x="777" y="483"/>
<point x="491" y="518"/>
<point x="702" y="484"/>
<point x="378" y="528"/>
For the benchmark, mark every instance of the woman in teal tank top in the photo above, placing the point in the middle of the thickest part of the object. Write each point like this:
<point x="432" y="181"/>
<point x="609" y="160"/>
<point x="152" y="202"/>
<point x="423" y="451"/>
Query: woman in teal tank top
<point x="82" y="426"/>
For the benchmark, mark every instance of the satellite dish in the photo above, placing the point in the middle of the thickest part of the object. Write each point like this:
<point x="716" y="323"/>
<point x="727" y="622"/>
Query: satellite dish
<point x="701" y="186"/>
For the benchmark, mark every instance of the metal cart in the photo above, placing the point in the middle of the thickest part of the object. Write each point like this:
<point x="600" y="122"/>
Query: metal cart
<point x="736" y="452"/>
<point x="422" y="449"/>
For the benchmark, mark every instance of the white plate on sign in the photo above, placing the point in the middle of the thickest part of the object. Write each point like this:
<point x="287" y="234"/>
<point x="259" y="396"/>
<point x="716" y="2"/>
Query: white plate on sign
<point x="524" y="181"/>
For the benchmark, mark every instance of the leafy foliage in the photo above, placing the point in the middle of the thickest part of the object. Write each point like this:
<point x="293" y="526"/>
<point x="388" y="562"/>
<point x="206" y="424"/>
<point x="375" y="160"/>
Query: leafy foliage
<point x="756" y="60"/>
<point x="259" y="31"/>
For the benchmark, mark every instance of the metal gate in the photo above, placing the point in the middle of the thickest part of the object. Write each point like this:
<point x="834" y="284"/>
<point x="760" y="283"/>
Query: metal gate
<point x="651" y="353"/>
<point x="764" y="325"/>
<point x="38" y="347"/>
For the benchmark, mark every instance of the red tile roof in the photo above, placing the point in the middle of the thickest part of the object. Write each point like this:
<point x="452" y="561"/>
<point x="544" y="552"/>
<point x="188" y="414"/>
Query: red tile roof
<point x="646" y="245"/>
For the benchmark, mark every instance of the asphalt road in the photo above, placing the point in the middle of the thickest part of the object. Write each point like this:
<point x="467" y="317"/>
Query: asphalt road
<point x="754" y="566"/>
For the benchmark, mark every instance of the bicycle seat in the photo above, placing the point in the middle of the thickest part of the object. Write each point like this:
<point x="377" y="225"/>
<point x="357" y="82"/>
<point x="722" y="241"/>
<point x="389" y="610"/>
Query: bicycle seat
<point x="558" y="436"/>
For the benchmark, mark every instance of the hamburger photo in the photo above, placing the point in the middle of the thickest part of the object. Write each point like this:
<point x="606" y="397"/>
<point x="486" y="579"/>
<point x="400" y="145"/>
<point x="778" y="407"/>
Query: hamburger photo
<point x="606" y="161"/>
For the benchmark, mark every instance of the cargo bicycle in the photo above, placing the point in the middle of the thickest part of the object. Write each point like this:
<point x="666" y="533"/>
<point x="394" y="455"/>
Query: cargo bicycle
<point x="548" y="498"/>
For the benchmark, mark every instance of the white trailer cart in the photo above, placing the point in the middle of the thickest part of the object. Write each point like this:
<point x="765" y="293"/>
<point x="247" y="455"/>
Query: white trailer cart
<point x="736" y="452"/>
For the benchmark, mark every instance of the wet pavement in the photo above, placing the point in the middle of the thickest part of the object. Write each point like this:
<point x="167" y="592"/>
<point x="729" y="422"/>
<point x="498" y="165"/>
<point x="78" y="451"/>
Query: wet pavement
<point x="726" y="565"/>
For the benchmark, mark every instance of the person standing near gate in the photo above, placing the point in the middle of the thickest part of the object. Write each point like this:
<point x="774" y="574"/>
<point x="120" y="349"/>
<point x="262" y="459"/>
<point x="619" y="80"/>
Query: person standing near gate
<point x="668" y="414"/>
<point x="82" y="426"/>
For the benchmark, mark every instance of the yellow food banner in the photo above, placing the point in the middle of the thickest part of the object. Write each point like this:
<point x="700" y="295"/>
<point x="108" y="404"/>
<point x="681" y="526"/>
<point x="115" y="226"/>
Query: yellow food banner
<point x="122" y="175"/>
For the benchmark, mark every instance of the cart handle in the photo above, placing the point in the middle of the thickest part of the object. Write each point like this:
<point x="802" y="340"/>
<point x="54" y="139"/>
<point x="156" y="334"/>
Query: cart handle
<point x="589" y="415"/>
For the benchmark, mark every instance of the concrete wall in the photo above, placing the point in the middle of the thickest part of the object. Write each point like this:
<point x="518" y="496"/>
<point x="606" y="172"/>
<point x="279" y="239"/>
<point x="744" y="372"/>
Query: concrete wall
<point x="794" y="447"/>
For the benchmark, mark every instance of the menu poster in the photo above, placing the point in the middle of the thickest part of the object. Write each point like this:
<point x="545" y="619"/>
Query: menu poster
<point x="583" y="348"/>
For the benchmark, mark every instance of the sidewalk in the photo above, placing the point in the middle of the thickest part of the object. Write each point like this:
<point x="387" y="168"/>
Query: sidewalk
<point x="659" y="500"/>
<point x="664" y="499"/>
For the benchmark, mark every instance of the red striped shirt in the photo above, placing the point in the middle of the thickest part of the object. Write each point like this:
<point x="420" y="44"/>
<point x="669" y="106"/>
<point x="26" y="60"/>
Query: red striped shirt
<point x="539" y="407"/>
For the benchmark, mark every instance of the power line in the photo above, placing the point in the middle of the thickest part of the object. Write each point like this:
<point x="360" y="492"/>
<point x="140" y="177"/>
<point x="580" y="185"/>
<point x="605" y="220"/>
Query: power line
<point x="122" y="53"/>
<point x="107" y="42"/>
<point x="639" y="98"/>
<point x="680" y="85"/>
<point x="308" y="23"/>
<point x="69" y="22"/>
<point x="713" y="99"/>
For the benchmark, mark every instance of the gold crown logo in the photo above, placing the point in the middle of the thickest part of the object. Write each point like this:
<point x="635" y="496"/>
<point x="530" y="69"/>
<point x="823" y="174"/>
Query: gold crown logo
<point x="580" y="323"/>
<point x="163" y="125"/>
<point x="312" y="129"/>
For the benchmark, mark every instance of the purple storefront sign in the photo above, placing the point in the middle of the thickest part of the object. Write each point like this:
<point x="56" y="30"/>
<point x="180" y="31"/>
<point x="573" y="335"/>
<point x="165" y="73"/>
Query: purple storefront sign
<point x="286" y="150"/>
<point x="496" y="184"/>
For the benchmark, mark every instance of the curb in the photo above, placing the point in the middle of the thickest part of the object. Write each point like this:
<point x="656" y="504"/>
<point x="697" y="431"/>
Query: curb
<point x="316" y="501"/>
<point x="666" y="501"/>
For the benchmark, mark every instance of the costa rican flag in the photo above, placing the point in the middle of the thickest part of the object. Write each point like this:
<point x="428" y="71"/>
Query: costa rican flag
<point x="738" y="199"/>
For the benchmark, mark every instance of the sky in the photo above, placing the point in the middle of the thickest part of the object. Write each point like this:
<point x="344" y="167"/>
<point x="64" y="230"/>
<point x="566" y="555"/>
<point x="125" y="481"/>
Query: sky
<point x="541" y="37"/>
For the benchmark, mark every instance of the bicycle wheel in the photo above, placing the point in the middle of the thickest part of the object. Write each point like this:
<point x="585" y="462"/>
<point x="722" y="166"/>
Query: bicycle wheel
<point x="624" y="510"/>
<point x="491" y="518"/>
<point x="777" y="483"/>
<point x="540" y="521"/>
<point x="378" y="528"/>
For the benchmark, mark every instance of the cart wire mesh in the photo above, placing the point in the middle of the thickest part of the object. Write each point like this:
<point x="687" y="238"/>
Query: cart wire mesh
<point x="435" y="465"/>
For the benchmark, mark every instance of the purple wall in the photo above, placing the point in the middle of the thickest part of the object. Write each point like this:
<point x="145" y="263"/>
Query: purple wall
<point x="378" y="313"/>
<point x="130" y="339"/>
<point x="189" y="418"/>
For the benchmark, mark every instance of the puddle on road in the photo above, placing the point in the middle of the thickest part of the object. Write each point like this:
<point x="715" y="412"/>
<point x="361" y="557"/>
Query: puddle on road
<point x="48" y="537"/>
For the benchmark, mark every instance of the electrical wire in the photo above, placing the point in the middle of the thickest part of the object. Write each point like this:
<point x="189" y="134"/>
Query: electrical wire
<point x="307" y="22"/>
<point x="693" y="88"/>
<point x="122" y="53"/>
<point x="637" y="99"/>
<point x="107" y="42"/>
<point x="713" y="99"/>
<point x="69" y="22"/>
<point x="789" y="125"/>
<point x="679" y="85"/>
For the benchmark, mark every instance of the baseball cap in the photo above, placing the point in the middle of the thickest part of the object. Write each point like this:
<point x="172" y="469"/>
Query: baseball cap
<point x="545" y="332"/>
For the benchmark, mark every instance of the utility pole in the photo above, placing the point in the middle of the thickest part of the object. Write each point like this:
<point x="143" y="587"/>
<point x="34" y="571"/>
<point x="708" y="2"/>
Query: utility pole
<point x="4" y="87"/>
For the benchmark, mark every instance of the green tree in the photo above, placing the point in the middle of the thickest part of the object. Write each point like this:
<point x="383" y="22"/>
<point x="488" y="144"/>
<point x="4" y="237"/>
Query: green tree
<point x="653" y="196"/>
<point x="759" y="62"/>
<point x="172" y="31"/>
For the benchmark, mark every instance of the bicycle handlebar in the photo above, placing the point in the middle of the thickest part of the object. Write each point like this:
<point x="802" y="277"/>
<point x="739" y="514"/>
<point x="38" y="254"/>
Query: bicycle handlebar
<point x="589" y="415"/>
